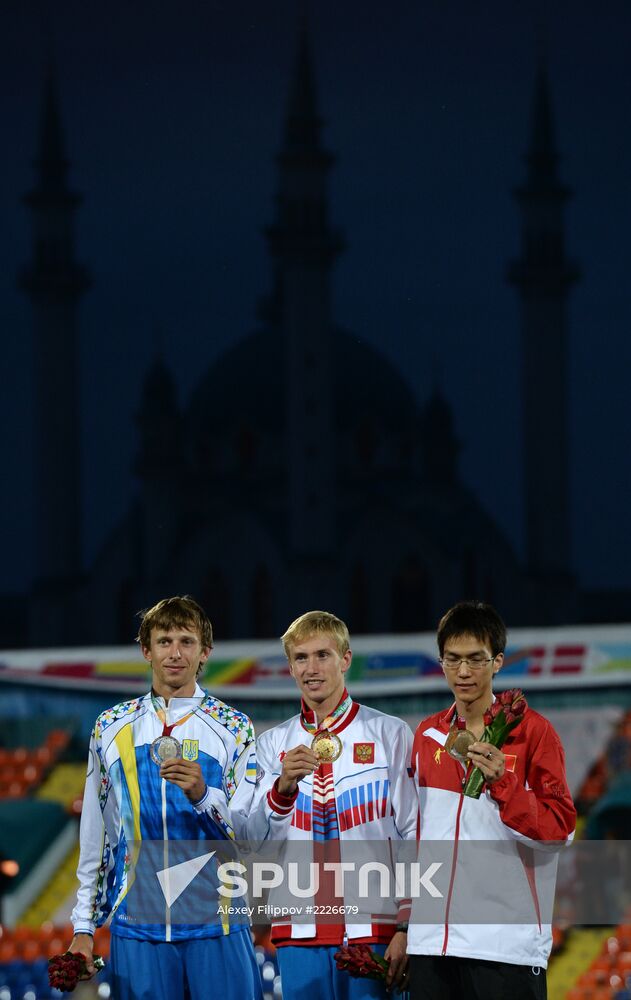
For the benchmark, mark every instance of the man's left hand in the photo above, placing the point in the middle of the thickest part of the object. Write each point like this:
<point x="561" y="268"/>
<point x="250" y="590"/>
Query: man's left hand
<point x="396" y="953"/>
<point x="489" y="759"/>
<point x="187" y="775"/>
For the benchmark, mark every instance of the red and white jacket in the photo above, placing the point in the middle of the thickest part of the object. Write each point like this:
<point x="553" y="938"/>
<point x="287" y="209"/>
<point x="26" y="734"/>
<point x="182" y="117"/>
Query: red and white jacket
<point x="373" y="796"/>
<point x="529" y="806"/>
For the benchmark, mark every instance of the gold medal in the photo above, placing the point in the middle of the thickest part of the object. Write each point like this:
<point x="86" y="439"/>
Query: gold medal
<point x="458" y="742"/>
<point x="326" y="746"/>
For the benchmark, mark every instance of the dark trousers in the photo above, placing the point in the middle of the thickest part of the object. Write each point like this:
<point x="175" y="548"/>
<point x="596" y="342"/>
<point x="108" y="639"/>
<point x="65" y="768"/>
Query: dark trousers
<point x="434" y="977"/>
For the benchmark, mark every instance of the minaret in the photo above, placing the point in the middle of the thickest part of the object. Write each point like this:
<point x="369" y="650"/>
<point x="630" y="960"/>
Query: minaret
<point x="543" y="274"/>
<point x="54" y="282"/>
<point x="303" y="248"/>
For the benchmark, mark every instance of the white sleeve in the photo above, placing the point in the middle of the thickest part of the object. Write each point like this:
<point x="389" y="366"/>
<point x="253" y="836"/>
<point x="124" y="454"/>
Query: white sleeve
<point x="403" y="794"/>
<point x="98" y="837"/>
<point x="271" y="814"/>
<point x="258" y="813"/>
<point x="226" y="809"/>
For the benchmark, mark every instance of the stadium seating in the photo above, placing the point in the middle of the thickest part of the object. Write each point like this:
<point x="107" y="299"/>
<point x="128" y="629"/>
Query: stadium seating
<point x="22" y="768"/>
<point x="609" y="974"/>
<point x="24" y="955"/>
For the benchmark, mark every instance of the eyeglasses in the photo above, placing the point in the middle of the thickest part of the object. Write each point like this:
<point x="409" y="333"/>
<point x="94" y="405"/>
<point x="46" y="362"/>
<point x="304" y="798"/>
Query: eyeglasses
<point x="475" y="661"/>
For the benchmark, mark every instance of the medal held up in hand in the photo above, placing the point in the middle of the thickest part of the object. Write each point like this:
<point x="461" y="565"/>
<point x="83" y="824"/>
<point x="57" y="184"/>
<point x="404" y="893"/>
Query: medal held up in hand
<point x="165" y="748"/>
<point x="459" y="740"/>
<point x="326" y="746"/>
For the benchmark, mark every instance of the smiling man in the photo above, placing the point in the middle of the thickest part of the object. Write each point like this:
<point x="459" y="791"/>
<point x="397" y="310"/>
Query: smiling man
<point x="163" y="769"/>
<point x="336" y="773"/>
<point x="485" y="948"/>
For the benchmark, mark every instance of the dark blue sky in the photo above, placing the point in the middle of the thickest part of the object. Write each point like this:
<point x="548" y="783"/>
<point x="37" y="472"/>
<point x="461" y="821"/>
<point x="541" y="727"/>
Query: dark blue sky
<point x="172" y="117"/>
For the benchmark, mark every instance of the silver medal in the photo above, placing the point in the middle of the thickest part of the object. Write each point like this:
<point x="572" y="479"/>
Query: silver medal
<point x="165" y="748"/>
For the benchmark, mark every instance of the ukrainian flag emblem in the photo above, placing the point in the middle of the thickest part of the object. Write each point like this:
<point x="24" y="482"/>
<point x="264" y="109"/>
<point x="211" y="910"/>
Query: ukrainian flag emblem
<point x="190" y="749"/>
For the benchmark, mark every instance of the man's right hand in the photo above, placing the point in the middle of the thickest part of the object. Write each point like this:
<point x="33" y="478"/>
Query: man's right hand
<point x="84" y="943"/>
<point x="297" y="764"/>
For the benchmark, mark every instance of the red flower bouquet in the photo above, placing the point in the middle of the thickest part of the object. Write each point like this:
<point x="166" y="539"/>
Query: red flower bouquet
<point x="360" y="961"/>
<point x="65" y="971"/>
<point x="505" y="713"/>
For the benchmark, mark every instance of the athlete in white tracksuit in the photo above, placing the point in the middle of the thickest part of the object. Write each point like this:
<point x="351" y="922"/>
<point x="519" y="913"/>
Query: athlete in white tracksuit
<point x="334" y="777"/>
<point x="163" y="770"/>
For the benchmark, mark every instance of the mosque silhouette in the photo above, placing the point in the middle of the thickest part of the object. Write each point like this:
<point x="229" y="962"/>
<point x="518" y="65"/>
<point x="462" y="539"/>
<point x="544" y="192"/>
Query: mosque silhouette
<point x="320" y="482"/>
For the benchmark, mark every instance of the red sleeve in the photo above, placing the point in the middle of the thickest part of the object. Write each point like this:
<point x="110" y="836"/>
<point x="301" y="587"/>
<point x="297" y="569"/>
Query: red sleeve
<point x="544" y="810"/>
<point x="278" y="803"/>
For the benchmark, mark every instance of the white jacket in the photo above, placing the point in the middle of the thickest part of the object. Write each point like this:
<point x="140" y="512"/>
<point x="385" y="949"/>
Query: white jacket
<point x="498" y="852"/>
<point x="126" y="802"/>
<point x="375" y="797"/>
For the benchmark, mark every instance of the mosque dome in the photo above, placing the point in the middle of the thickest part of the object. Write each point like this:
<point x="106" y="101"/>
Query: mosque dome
<point x="239" y="404"/>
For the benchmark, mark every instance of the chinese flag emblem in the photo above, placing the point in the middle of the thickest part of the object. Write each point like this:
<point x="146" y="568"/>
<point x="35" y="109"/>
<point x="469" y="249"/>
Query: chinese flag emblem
<point x="510" y="760"/>
<point x="364" y="753"/>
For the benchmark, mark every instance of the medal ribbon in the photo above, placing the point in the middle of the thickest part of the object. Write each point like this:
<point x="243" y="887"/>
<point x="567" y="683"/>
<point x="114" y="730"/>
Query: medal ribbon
<point x="314" y="728"/>
<point x="461" y="725"/>
<point x="167" y="730"/>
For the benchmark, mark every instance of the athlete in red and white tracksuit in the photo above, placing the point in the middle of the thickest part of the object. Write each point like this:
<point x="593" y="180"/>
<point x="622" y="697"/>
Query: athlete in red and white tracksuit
<point x="486" y="933"/>
<point x="530" y="802"/>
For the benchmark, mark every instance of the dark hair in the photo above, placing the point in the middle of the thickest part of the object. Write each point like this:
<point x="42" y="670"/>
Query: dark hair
<point x="175" y="612"/>
<point x="472" y="618"/>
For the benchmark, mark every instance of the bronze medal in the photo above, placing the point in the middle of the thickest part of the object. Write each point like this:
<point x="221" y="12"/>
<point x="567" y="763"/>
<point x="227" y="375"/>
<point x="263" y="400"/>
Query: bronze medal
<point x="326" y="746"/>
<point x="458" y="742"/>
<point x="165" y="748"/>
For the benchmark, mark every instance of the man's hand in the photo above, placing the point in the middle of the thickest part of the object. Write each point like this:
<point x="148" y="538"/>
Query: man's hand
<point x="297" y="764"/>
<point x="84" y="943"/>
<point x="396" y="953"/>
<point x="187" y="775"/>
<point x="489" y="759"/>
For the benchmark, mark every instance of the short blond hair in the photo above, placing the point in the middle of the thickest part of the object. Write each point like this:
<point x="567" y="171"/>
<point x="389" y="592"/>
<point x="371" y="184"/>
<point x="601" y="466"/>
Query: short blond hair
<point x="316" y="623"/>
